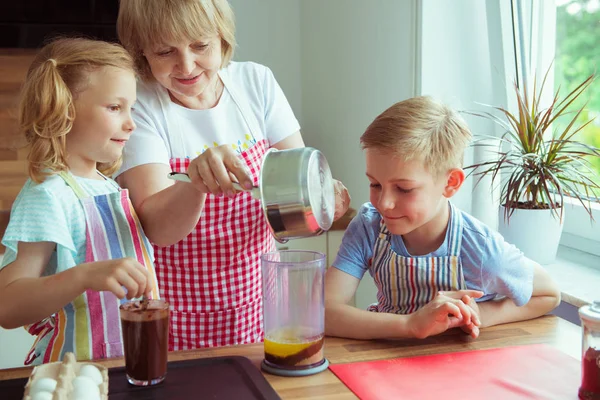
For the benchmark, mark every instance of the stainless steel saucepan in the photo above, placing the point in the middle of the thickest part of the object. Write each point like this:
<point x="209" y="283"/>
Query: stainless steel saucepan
<point x="296" y="192"/>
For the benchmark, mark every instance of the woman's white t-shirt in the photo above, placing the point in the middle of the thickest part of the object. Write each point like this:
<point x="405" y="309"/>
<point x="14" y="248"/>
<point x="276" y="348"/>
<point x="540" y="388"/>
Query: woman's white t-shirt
<point x="166" y="130"/>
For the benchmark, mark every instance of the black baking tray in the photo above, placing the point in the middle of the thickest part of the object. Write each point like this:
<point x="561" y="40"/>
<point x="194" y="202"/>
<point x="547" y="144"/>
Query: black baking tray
<point x="228" y="378"/>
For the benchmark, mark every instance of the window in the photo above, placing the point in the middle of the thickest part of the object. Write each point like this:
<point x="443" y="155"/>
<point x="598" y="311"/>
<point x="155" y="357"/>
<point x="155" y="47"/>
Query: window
<point x="566" y="34"/>
<point x="576" y="56"/>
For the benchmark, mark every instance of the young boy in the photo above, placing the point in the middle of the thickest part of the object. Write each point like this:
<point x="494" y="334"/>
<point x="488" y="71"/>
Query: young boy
<point x="429" y="260"/>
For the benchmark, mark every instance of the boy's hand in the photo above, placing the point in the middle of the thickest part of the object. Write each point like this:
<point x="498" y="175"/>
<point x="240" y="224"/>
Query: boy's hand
<point x="113" y="275"/>
<point x="473" y="328"/>
<point x="447" y="310"/>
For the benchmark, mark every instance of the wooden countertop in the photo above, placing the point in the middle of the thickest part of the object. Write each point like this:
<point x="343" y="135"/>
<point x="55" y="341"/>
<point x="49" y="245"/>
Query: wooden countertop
<point x="550" y="330"/>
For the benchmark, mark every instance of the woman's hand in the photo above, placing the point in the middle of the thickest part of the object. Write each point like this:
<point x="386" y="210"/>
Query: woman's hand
<point x="342" y="199"/>
<point x="113" y="275"/>
<point x="214" y="171"/>
<point x="445" y="311"/>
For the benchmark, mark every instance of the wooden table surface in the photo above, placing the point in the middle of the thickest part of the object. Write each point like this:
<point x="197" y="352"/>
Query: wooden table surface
<point x="551" y="330"/>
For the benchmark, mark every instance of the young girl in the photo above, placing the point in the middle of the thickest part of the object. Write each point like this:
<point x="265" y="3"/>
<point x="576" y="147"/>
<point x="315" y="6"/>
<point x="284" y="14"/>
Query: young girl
<point x="74" y="245"/>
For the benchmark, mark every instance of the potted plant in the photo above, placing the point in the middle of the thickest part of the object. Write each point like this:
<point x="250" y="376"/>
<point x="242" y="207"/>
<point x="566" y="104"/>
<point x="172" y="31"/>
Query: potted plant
<point x="539" y="163"/>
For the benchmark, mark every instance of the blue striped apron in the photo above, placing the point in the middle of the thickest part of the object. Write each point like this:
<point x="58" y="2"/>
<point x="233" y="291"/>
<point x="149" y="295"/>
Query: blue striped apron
<point x="405" y="284"/>
<point x="90" y="325"/>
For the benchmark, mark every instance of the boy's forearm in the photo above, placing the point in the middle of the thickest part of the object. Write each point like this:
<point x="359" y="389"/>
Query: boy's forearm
<point x="350" y="322"/>
<point x="29" y="300"/>
<point x="503" y="311"/>
<point x="171" y="214"/>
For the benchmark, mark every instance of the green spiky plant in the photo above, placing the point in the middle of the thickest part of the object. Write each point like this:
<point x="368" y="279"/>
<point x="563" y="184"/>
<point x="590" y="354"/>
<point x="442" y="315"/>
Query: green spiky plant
<point x="539" y="169"/>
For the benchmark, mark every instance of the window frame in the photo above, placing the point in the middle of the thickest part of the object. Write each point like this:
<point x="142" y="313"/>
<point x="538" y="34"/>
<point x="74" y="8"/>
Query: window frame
<point x="579" y="230"/>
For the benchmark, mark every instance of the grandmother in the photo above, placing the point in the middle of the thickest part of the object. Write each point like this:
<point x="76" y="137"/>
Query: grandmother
<point x="201" y="113"/>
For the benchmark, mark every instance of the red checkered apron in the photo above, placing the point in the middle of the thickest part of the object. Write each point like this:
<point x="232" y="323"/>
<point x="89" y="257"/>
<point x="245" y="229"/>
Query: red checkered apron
<point x="212" y="278"/>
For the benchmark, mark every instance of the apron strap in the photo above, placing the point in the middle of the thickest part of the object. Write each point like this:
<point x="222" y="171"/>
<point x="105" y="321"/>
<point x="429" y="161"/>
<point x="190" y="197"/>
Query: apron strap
<point x="383" y="230"/>
<point x="456" y="230"/>
<point x="111" y="181"/>
<point x="80" y="192"/>
<point x="382" y="242"/>
<point x="242" y="104"/>
<point x="73" y="184"/>
<point x="175" y="135"/>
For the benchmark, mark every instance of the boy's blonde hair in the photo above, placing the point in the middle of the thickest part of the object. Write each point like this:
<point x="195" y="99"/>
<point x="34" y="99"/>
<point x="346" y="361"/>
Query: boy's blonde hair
<point x="47" y="107"/>
<point x="420" y="128"/>
<point x="143" y="23"/>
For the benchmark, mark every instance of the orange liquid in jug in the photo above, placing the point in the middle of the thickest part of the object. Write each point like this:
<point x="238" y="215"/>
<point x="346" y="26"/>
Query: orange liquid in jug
<point x="291" y="347"/>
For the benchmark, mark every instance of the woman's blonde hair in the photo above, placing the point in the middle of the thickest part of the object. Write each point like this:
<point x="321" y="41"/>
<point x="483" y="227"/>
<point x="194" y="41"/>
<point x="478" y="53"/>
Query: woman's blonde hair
<point x="47" y="109"/>
<point x="420" y="128"/>
<point x="144" y="23"/>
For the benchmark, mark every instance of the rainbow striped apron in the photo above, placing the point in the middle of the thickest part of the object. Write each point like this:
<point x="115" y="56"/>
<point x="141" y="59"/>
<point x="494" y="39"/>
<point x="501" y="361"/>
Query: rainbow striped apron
<point x="90" y="326"/>
<point x="405" y="284"/>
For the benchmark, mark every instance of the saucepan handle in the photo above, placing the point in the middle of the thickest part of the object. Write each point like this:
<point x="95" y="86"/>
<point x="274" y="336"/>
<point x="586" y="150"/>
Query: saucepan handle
<point x="179" y="176"/>
<point x="183" y="177"/>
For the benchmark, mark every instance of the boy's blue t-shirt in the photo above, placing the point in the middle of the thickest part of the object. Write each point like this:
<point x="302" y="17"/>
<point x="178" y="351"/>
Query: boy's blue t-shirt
<point x="489" y="263"/>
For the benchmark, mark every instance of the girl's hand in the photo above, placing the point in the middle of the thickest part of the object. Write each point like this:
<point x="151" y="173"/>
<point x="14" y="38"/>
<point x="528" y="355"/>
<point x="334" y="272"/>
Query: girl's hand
<point x="113" y="275"/>
<point x="212" y="171"/>
<point x="342" y="199"/>
<point x="444" y="312"/>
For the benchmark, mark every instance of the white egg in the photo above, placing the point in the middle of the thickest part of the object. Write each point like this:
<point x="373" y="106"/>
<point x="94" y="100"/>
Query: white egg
<point x="84" y="388"/>
<point x="91" y="372"/>
<point x="84" y="396"/>
<point x="42" y="396"/>
<point x="43" y="385"/>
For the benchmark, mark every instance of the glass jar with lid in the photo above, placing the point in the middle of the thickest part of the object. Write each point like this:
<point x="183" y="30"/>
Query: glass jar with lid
<point x="590" y="359"/>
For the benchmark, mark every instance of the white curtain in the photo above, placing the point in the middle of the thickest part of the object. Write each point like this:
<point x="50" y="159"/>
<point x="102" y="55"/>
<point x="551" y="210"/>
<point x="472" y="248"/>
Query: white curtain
<point x="471" y="52"/>
<point x="521" y="42"/>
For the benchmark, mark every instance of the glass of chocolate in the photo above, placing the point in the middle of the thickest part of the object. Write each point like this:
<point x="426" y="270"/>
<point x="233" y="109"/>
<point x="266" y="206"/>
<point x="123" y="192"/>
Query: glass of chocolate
<point x="145" y="326"/>
<point x="293" y="312"/>
<point x="590" y="359"/>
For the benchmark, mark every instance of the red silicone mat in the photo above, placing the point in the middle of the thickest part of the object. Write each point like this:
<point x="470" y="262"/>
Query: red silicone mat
<point x="520" y="372"/>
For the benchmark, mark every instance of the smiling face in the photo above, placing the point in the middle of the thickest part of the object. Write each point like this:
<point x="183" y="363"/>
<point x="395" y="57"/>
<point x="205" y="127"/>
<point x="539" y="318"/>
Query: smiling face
<point x="186" y="69"/>
<point x="103" y="120"/>
<point x="405" y="193"/>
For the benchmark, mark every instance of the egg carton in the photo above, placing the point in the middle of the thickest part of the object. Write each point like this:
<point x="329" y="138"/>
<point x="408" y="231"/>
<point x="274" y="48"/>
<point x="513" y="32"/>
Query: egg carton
<point x="67" y="380"/>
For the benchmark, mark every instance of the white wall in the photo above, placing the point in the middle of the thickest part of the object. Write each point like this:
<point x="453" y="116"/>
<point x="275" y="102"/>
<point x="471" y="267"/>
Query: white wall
<point x="459" y="66"/>
<point x="268" y="32"/>
<point x="340" y="64"/>
<point x="14" y="345"/>
<point x="358" y="58"/>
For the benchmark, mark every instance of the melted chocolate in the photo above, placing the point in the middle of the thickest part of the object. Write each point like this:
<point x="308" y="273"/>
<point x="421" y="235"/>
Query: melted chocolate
<point x="145" y="341"/>
<point x="590" y="380"/>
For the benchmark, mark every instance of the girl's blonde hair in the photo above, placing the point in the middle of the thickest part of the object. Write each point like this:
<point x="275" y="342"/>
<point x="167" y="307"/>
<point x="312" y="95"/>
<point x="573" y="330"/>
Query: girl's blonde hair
<point x="144" y="23"/>
<point x="420" y="128"/>
<point x="47" y="110"/>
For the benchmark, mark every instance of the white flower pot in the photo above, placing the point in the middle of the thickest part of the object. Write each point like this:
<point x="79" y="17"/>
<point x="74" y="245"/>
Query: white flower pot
<point x="535" y="232"/>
